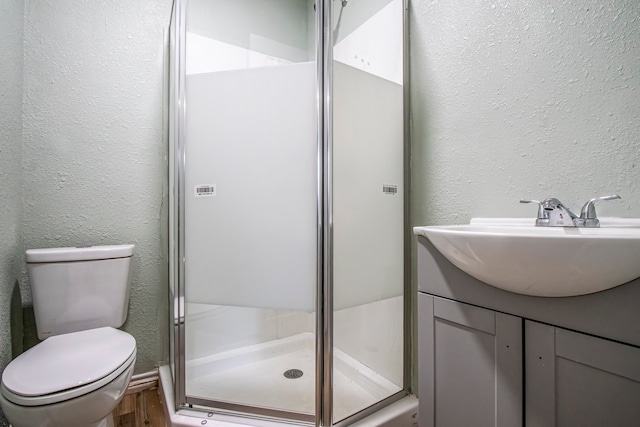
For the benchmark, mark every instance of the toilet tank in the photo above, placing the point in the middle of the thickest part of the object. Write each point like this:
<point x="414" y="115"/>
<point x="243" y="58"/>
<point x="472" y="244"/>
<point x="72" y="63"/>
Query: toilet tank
<point x="75" y="289"/>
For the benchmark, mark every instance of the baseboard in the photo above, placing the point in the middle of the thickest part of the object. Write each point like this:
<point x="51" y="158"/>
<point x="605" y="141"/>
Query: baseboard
<point x="141" y="382"/>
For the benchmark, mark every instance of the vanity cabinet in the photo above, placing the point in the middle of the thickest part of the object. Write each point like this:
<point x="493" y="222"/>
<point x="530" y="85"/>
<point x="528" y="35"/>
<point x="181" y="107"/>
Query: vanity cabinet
<point x="483" y="368"/>
<point x="579" y="356"/>
<point x="470" y="365"/>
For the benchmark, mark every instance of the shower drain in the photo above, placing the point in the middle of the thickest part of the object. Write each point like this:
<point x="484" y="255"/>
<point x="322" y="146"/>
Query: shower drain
<point x="292" y="374"/>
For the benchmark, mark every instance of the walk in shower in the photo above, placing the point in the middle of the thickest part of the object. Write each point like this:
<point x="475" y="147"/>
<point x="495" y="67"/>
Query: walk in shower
<point x="288" y="208"/>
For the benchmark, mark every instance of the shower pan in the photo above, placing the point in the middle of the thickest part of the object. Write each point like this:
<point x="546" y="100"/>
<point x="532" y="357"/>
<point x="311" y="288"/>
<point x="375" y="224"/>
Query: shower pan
<point x="288" y="209"/>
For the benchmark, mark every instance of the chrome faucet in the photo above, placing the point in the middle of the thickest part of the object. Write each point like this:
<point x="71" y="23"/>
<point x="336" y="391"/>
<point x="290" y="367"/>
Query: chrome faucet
<point x="552" y="213"/>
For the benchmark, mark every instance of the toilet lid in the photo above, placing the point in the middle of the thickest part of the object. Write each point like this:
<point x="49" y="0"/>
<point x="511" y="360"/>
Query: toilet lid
<point x="67" y="361"/>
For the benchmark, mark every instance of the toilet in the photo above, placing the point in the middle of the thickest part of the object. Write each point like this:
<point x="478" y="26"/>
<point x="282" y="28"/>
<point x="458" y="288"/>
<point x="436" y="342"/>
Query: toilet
<point x="79" y="373"/>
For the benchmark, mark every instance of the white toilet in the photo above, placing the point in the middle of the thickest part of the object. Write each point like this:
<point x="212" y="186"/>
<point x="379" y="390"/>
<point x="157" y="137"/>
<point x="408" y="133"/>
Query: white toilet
<point x="79" y="373"/>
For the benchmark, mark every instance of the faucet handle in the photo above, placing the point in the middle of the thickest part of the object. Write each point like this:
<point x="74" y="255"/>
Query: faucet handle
<point x="588" y="212"/>
<point x="541" y="211"/>
<point x="589" y="209"/>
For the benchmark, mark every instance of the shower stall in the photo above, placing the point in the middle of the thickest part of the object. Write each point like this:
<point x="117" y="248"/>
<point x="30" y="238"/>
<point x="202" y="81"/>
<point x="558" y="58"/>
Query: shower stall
<point x="288" y="208"/>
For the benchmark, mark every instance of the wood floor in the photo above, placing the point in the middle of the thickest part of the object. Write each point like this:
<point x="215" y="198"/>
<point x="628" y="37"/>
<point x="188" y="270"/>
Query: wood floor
<point x="142" y="409"/>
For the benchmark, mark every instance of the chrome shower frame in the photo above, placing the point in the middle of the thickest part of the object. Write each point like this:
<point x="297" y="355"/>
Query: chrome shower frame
<point x="324" y="293"/>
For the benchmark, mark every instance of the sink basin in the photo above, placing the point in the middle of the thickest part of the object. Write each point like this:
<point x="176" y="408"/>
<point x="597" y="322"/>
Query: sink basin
<point x="514" y="255"/>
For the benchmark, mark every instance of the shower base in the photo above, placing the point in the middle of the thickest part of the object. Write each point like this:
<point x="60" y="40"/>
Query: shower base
<point x="254" y="376"/>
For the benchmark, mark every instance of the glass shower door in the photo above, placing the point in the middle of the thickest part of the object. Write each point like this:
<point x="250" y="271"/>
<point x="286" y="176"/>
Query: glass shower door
<point x="288" y="208"/>
<point x="368" y="204"/>
<point x="250" y="208"/>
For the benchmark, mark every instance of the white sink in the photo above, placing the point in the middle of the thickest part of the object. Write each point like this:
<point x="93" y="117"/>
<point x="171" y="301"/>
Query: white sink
<point x="515" y="255"/>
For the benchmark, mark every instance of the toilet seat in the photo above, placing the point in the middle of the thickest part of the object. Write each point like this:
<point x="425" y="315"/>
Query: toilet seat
<point x="67" y="366"/>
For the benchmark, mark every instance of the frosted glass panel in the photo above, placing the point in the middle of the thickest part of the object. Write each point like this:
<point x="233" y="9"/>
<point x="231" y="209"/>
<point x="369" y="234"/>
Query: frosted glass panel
<point x="252" y="136"/>
<point x="368" y="187"/>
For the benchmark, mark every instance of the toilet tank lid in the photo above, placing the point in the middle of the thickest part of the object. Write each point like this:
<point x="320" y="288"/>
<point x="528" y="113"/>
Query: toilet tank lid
<point x="85" y="253"/>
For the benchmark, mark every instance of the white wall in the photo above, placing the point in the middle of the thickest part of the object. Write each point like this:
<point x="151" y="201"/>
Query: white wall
<point x="376" y="46"/>
<point x="212" y="329"/>
<point x="519" y="99"/>
<point x="94" y="155"/>
<point x="11" y="246"/>
<point x="373" y="335"/>
<point x="348" y="18"/>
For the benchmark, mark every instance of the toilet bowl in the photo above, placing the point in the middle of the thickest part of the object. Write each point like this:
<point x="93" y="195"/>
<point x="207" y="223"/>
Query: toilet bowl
<point x="78" y="374"/>
<point x="71" y="380"/>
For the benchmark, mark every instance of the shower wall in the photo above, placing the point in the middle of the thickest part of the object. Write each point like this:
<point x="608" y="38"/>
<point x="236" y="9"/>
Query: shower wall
<point x="370" y="333"/>
<point x="347" y="19"/>
<point x="213" y="329"/>
<point x="277" y="28"/>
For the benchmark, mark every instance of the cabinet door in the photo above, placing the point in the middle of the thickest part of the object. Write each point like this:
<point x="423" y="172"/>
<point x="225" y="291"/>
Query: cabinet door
<point x="470" y="365"/>
<point x="576" y="380"/>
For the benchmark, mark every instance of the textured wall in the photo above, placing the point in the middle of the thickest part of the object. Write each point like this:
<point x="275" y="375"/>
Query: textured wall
<point x="94" y="155"/>
<point x="11" y="69"/>
<point x="518" y="99"/>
